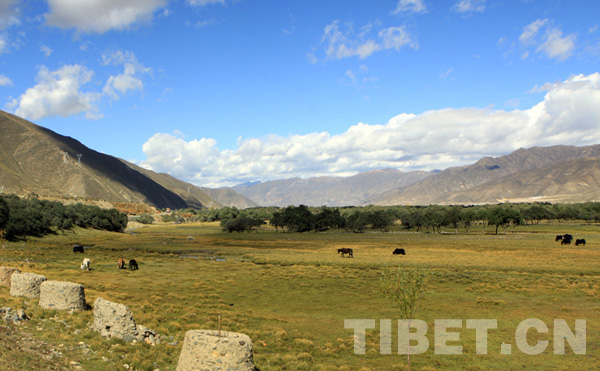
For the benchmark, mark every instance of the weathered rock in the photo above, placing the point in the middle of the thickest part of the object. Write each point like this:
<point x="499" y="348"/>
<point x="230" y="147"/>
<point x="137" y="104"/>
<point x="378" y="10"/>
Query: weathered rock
<point x="206" y="350"/>
<point x="62" y="296"/>
<point x="10" y="315"/>
<point x="5" y="273"/>
<point x="114" y="320"/>
<point x="26" y="284"/>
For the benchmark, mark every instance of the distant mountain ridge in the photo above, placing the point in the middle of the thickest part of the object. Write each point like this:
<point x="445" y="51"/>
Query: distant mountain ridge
<point x="527" y="169"/>
<point x="330" y="191"/>
<point x="35" y="159"/>
<point x="554" y="174"/>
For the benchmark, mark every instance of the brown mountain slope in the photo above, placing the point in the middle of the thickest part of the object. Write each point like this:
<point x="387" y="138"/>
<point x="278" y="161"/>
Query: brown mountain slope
<point x="329" y="191"/>
<point x="569" y="181"/>
<point x="197" y="197"/>
<point x="435" y="189"/>
<point x="35" y="159"/>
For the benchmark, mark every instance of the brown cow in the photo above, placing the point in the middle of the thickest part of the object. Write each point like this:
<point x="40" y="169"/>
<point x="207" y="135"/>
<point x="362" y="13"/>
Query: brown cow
<point x="121" y="263"/>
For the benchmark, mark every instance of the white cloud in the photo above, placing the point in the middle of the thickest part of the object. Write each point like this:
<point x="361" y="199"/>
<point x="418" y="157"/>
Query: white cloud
<point x="568" y="114"/>
<point x="46" y="50"/>
<point x="130" y="79"/>
<point x="205" y="2"/>
<point x="100" y="16"/>
<point x="411" y="6"/>
<point x="531" y="30"/>
<point x="58" y="93"/>
<point x="556" y="46"/>
<point x="8" y="13"/>
<point x="5" y="80"/>
<point x="469" y="6"/>
<point x="340" y="44"/>
<point x="547" y="39"/>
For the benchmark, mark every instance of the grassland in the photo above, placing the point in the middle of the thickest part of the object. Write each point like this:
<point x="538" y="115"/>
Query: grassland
<point x="291" y="294"/>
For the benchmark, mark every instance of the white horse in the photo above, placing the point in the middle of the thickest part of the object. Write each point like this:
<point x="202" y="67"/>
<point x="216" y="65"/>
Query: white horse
<point x="85" y="264"/>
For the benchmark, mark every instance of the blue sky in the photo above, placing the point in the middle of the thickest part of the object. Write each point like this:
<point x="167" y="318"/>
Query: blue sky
<point x="220" y="92"/>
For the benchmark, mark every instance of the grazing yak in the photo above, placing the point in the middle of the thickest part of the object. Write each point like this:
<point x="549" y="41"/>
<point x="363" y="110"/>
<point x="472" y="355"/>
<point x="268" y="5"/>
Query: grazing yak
<point x="558" y="238"/>
<point x="567" y="239"/>
<point x="346" y="251"/>
<point x="121" y="264"/>
<point x="78" y="248"/>
<point x="85" y="264"/>
<point x="399" y="252"/>
<point x="580" y="242"/>
<point x="133" y="265"/>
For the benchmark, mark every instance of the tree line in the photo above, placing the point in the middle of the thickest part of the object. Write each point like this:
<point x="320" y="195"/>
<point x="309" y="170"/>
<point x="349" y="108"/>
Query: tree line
<point x="30" y="216"/>
<point x="430" y="218"/>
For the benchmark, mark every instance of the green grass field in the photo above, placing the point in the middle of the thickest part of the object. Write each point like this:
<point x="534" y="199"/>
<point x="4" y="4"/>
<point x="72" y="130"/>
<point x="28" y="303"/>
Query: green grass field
<point x="291" y="294"/>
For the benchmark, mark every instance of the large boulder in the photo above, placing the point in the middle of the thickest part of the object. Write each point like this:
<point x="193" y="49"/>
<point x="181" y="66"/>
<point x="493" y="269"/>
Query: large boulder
<point x="206" y="350"/>
<point x="114" y="320"/>
<point x="5" y="273"/>
<point x="26" y="284"/>
<point x="62" y="296"/>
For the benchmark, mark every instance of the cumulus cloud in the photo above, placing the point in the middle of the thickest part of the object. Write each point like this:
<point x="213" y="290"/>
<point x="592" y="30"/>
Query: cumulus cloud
<point x="8" y="13"/>
<point x="342" y="43"/>
<point x="547" y="39"/>
<point x="100" y="16"/>
<point x="469" y="6"/>
<point x="568" y="114"/>
<point x="58" y="93"/>
<point x="5" y="80"/>
<point x="46" y="50"/>
<point x="205" y="2"/>
<point x="410" y="6"/>
<point x="130" y="79"/>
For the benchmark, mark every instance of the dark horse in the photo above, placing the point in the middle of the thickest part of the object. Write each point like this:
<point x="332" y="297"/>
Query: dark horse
<point x="345" y="251"/>
<point x="133" y="264"/>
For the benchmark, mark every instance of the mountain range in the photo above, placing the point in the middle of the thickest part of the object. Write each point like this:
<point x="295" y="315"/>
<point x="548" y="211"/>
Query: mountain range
<point x="556" y="174"/>
<point x="35" y="159"/>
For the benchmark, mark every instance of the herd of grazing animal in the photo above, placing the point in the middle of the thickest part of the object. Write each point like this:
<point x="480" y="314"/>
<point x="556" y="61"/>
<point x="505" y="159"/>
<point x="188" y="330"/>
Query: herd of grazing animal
<point x="85" y="264"/>
<point x="346" y="251"/>
<point x="566" y="239"/>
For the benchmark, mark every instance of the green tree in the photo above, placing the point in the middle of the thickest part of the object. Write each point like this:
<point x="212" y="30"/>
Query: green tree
<point x="145" y="218"/>
<point x="406" y="287"/>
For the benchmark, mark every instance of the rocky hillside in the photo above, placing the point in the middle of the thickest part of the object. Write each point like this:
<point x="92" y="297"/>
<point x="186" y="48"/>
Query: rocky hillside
<point x="558" y="174"/>
<point x="38" y="160"/>
<point x="330" y="191"/>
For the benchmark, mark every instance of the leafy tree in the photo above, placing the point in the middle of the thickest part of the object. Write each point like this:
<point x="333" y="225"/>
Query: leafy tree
<point x="382" y="219"/>
<point x="435" y="217"/>
<point x="242" y="223"/>
<point x="357" y="221"/>
<point x="468" y="217"/>
<point x="452" y="217"/>
<point x="406" y="286"/>
<point x="4" y="213"/>
<point x="504" y="215"/>
<point x="145" y="218"/>
<point x="327" y="218"/>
